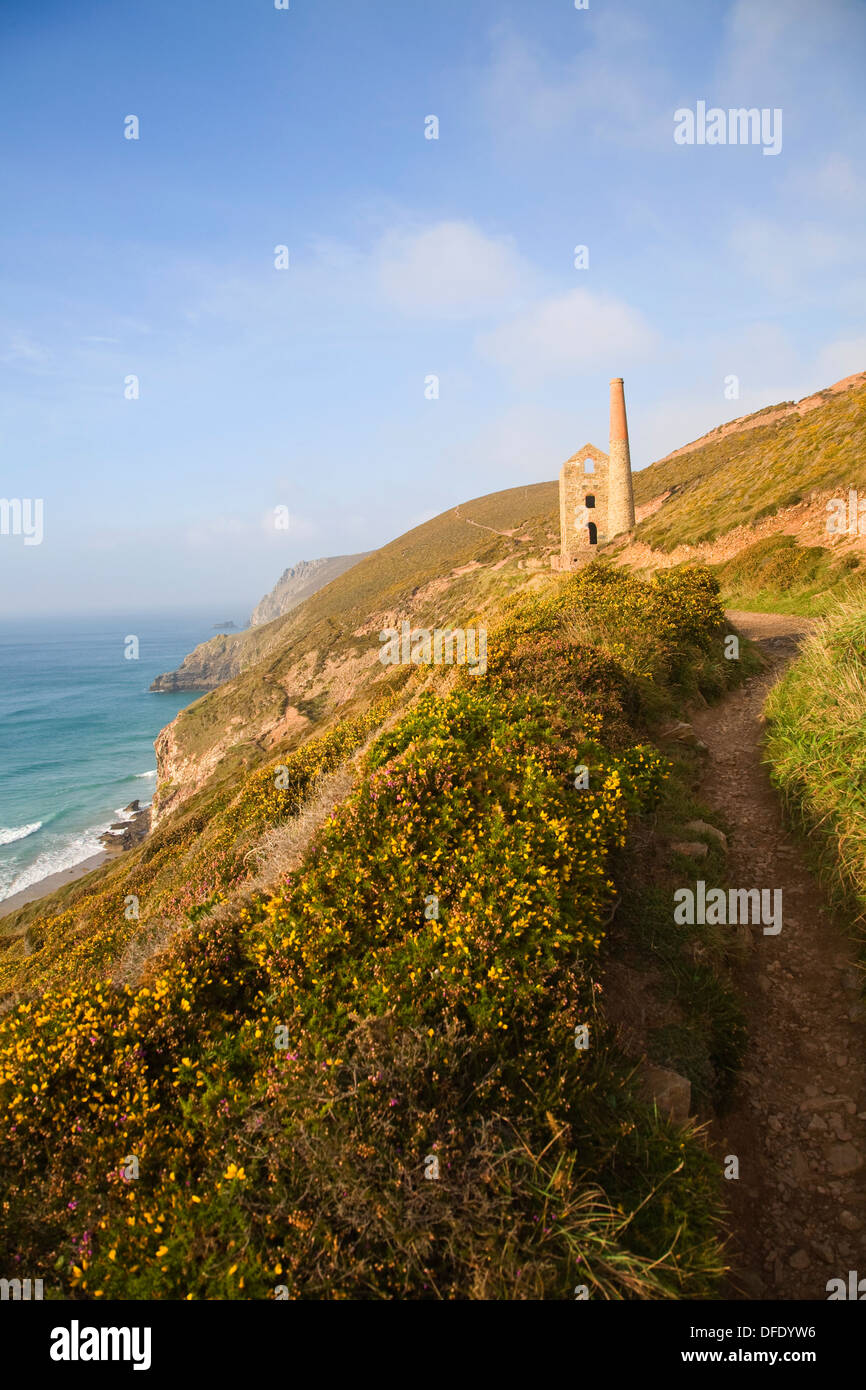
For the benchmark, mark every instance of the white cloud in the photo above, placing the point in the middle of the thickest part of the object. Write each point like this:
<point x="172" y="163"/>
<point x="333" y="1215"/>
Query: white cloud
<point x="840" y="359"/>
<point x="784" y="256"/>
<point x="528" y="92"/>
<point x="834" y="180"/>
<point x="567" y="332"/>
<point x="526" y="443"/>
<point x="777" y="43"/>
<point x="450" y="269"/>
<point x="769" y="369"/>
<point x="25" y="351"/>
<point x="216" y="532"/>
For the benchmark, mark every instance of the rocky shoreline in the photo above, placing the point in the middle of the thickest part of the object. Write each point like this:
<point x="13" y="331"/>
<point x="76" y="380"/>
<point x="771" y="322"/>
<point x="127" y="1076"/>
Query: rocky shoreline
<point x="120" y="837"/>
<point x="125" y="834"/>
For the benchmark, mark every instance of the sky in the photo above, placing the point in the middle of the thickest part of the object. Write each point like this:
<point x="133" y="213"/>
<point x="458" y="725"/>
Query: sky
<point x="171" y="392"/>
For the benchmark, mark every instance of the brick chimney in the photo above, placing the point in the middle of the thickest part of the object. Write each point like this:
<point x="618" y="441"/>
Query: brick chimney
<point x="620" y="507"/>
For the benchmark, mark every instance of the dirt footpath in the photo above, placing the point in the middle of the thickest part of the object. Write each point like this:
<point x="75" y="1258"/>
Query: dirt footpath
<point x="798" y="1119"/>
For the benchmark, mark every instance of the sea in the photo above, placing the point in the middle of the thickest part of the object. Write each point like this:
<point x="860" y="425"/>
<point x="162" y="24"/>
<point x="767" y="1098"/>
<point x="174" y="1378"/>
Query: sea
<point x="77" y="727"/>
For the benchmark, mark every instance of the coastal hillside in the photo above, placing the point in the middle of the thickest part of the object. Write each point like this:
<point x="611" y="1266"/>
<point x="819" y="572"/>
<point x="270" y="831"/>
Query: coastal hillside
<point x="301" y="671"/>
<point x="390" y="1001"/>
<point x="353" y="1041"/>
<point x="741" y="484"/>
<point x="750" y="499"/>
<point x="754" y="467"/>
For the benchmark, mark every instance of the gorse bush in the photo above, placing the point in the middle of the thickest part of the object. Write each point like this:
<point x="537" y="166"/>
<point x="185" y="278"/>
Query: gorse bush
<point x="188" y="864"/>
<point x="612" y="651"/>
<point x="365" y="1082"/>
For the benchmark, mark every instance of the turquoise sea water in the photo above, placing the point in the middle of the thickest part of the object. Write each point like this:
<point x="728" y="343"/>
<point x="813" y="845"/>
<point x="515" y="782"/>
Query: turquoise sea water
<point x="77" y="725"/>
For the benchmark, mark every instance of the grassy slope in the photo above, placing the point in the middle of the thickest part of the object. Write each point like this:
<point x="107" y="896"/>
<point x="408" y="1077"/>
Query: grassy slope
<point x="189" y="838"/>
<point x="738" y="479"/>
<point x="193" y="868"/>
<point x="388" y="576"/>
<point x="720" y="485"/>
<point x="773" y="574"/>
<point x="322" y="629"/>
<point x="779" y="575"/>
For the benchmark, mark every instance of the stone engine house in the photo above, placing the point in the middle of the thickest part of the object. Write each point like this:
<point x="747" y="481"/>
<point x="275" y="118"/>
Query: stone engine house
<point x="596" y="500"/>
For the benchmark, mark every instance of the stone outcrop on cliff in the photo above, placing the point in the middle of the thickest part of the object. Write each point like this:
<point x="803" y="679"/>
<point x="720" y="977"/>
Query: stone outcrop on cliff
<point x="299" y="582"/>
<point x="222" y="658"/>
<point x="210" y="664"/>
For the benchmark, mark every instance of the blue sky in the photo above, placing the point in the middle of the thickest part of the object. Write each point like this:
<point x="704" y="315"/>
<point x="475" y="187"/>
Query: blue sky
<point x="305" y="388"/>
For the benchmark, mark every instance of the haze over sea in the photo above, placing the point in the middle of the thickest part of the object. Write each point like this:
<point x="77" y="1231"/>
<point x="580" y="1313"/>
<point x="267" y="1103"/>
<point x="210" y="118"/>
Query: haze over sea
<point x="77" y="725"/>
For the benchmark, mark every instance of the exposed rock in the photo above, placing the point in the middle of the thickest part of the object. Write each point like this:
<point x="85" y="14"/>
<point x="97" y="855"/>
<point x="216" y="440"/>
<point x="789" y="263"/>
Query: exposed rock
<point x="702" y="827"/>
<point x="125" y="834"/>
<point x="695" y="849"/>
<point x="671" y="1092"/>
<point x="299" y="582"/>
<point x="814" y="1103"/>
<point x="683" y="732"/>
<point x="209" y="664"/>
<point x="799" y="1260"/>
<point x="824" y="1251"/>
<point x="844" y="1159"/>
<point x="754" y="1283"/>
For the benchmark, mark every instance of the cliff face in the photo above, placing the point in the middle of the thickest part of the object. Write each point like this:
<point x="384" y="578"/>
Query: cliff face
<point x="207" y="666"/>
<point x="299" y="582"/>
<point x="222" y="658"/>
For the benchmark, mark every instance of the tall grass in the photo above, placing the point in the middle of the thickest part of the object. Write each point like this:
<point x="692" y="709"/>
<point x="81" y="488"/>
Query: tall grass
<point x="816" y="747"/>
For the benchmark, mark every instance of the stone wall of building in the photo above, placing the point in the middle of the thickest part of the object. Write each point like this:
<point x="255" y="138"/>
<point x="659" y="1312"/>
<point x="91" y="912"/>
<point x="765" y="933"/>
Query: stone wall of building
<point x="576" y="485"/>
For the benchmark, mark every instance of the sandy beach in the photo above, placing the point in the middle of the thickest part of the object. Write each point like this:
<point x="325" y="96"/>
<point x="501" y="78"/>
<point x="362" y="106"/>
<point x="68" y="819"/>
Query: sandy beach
<point x="49" y="884"/>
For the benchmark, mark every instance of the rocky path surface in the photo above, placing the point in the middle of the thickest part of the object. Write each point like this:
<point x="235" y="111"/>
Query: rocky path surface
<point x="798" y="1119"/>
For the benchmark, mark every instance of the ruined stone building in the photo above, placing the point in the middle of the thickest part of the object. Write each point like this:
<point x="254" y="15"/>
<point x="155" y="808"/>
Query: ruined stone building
<point x="596" y="501"/>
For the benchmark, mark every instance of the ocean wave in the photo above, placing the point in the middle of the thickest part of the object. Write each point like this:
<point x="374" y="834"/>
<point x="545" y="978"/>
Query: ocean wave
<point x="55" y="860"/>
<point x="18" y="832"/>
<point x="145" y="774"/>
